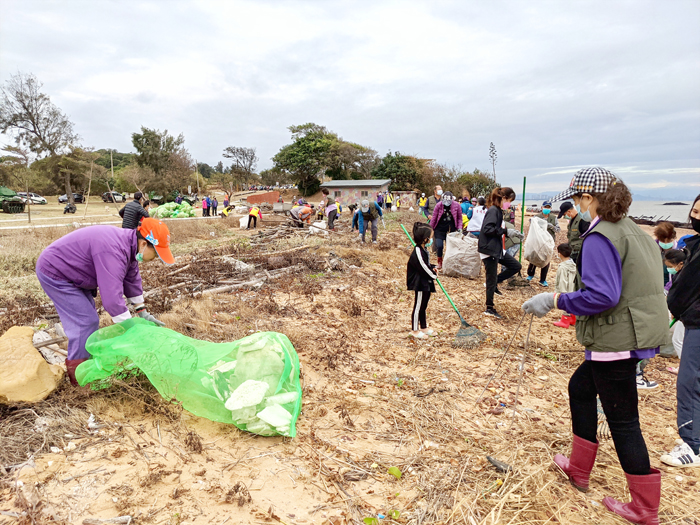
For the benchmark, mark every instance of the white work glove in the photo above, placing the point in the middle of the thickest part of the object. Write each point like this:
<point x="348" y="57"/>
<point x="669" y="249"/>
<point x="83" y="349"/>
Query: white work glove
<point x="383" y="223"/>
<point x="144" y="314"/>
<point x="513" y="233"/>
<point x="539" y="305"/>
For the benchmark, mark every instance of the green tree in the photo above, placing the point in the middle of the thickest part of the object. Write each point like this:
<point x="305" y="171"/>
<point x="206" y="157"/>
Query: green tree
<point x="406" y="172"/>
<point x="35" y="121"/>
<point x="274" y="175"/>
<point x="120" y="160"/>
<point x="155" y="149"/>
<point x="205" y="169"/>
<point x="73" y="167"/>
<point x="347" y="160"/>
<point x="305" y="159"/>
<point x="478" y="182"/>
<point x="14" y="168"/>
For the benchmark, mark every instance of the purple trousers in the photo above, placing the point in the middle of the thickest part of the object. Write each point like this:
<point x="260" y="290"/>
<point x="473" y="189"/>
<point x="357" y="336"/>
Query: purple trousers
<point x="76" y="308"/>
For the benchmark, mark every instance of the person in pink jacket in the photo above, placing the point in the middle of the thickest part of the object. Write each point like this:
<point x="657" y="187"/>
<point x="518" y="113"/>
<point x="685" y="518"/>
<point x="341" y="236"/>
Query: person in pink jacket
<point x="446" y="218"/>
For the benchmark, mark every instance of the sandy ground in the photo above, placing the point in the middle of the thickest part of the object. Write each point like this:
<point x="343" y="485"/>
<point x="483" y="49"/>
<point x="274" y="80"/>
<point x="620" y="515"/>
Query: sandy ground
<point x="373" y="399"/>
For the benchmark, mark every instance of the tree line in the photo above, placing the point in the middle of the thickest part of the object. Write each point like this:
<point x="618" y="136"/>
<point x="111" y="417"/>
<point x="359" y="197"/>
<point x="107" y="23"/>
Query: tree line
<point x="47" y="157"/>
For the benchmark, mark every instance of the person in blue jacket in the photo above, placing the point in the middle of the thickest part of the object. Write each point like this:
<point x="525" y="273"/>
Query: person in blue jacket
<point x="369" y="214"/>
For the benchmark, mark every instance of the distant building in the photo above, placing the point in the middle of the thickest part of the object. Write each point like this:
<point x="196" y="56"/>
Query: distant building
<point x="350" y="191"/>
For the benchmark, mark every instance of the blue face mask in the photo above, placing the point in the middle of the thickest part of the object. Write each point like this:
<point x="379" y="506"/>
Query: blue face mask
<point x="429" y="243"/>
<point x="139" y="257"/>
<point x="546" y="211"/>
<point x="672" y="271"/>
<point x="666" y="246"/>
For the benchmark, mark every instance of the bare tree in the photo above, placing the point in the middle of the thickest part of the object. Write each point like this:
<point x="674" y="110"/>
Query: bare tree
<point x="244" y="161"/>
<point x="494" y="158"/>
<point x="34" y="120"/>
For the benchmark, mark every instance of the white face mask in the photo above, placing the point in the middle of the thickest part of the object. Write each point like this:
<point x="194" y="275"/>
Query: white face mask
<point x="439" y="192"/>
<point x="586" y="215"/>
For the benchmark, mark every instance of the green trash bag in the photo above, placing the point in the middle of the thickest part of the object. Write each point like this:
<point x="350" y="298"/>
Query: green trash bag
<point x="252" y="383"/>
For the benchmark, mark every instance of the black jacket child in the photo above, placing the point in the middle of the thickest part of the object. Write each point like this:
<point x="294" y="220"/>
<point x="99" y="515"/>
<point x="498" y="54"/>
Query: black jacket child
<point x="420" y="274"/>
<point x="491" y="237"/>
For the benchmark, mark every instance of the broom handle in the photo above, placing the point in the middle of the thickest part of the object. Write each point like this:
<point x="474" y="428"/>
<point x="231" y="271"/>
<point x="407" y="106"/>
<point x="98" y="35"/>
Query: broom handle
<point x="438" y="280"/>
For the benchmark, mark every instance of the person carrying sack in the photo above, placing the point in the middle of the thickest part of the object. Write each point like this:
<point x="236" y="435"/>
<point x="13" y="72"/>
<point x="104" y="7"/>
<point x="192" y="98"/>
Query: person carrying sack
<point x="619" y="284"/>
<point x="552" y="228"/>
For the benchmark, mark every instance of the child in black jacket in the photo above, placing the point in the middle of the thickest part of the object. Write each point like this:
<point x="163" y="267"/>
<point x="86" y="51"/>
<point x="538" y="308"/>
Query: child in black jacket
<point x="420" y="277"/>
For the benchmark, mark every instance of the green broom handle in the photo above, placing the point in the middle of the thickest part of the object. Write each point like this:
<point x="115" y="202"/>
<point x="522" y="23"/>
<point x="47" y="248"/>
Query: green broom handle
<point x="438" y="280"/>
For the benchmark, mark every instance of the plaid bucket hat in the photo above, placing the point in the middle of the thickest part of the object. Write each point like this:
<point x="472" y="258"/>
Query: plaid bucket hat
<point x="588" y="180"/>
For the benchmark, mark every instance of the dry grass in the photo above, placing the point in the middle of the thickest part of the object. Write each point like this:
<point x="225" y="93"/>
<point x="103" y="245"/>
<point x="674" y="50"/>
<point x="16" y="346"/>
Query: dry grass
<point x="374" y="400"/>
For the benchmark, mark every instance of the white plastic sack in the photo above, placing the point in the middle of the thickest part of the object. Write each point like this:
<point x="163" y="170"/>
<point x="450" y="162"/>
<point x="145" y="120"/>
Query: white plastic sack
<point x="244" y="222"/>
<point x="394" y="208"/>
<point x="318" y="228"/>
<point x="461" y="256"/>
<point x="539" y="245"/>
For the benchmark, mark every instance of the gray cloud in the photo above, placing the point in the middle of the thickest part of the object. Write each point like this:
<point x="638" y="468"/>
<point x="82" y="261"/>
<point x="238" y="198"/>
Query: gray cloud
<point x="554" y="85"/>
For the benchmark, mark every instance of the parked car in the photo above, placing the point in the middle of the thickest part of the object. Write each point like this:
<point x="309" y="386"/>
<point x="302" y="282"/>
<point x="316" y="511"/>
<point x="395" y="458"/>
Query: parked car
<point x="33" y="198"/>
<point x="77" y="197"/>
<point x="113" y="196"/>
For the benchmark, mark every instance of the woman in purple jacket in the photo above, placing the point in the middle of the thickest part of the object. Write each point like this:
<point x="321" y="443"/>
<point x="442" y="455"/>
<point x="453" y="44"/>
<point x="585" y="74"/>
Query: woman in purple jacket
<point x="72" y="268"/>
<point x="620" y="319"/>
<point x="447" y="218"/>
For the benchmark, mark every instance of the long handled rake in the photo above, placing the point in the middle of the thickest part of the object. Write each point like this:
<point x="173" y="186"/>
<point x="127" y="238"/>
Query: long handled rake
<point x="522" y="365"/>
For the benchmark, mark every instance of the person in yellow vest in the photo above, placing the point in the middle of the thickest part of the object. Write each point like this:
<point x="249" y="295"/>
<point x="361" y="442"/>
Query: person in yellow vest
<point x="389" y="200"/>
<point x="398" y="203"/>
<point x="253" y="215"/>
<point x="339" y="209"/>
<point x="422" y="205"/>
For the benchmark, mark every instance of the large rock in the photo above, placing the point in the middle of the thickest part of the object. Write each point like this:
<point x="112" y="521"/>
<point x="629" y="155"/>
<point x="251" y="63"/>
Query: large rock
<point x="24" y="375"/>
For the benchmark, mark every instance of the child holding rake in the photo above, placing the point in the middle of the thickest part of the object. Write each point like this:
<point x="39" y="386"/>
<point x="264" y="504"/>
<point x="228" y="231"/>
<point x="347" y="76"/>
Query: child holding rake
<point x="420" y="277"/>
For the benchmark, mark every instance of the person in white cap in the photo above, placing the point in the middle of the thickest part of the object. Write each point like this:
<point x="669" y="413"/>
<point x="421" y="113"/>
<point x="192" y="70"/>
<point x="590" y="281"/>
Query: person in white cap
<point x="369" y="214"/>
<point x="423" y="205"/>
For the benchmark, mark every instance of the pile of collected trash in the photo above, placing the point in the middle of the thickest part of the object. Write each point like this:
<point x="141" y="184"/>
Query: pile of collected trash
<point x="172" y="210"/>
<point x="252" y="383"/>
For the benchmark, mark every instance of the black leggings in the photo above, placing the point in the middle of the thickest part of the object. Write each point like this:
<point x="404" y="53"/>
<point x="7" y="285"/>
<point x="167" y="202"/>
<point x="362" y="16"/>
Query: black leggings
<point x="511" y="267"/>
<point x="543" y="272"/>
<point x="616" y="385"/>
<point x="331" y="219"/>
<point x="254" y="219"/>
<point x="420" y="305"/>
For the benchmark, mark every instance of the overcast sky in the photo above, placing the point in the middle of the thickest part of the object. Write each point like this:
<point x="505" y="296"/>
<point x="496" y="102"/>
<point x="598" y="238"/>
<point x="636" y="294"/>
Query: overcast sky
<point x="555" y="85"/>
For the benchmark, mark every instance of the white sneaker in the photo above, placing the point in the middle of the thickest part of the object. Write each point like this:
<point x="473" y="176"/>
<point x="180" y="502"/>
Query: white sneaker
<point x="681" y="456"/>
<point x="419" y="335"/>
<point x="430" y="332"/>
<point x="644" y="384"/>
